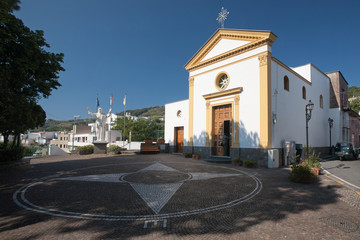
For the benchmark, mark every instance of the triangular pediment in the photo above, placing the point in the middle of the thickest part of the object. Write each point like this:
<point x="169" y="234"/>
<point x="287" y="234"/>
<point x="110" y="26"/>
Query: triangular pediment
<point x="226" y="43"/>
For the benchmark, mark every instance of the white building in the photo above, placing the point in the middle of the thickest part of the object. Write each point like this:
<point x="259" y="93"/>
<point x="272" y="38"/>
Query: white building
<point x="243" y="101"/>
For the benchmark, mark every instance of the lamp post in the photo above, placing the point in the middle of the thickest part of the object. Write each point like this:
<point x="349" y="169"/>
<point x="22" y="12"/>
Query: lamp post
<point x="331" y="122"/>
<point x="308" y="108"/>
<point x="75" y="117"/>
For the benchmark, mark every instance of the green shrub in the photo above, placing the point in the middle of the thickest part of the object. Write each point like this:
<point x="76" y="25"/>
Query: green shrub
<point x="250" y="164"/>
<point x="313" y="161"/>
<point x="115" y="149"/>
<point x="188" y="155"/>
<point x="88" y="149"/>
<point x="237" y="161"/>
<point x="11" y="153"/>
<point x="29" y="151"/>
<point x="302" y="173"/>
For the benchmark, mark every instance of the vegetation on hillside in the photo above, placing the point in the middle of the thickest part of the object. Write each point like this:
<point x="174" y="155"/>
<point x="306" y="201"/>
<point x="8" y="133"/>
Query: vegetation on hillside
<point x="355" y="103"/>
<point x="353" y="91"/>
<point x="153" y="112"/>
<point x="55" y="126"/>
<point x="141" y="129"/>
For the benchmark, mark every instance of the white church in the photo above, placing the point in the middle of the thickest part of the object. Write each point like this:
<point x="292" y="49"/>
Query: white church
<point x="244" y="102"/>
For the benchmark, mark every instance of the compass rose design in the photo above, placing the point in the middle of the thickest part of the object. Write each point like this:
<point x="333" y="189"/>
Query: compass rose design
<point x="155" y="184"/>
<point x="155" y="195"/>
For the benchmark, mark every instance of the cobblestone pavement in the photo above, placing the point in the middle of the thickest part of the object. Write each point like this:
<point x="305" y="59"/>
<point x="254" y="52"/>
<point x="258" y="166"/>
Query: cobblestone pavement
<point x="164" y="196"/>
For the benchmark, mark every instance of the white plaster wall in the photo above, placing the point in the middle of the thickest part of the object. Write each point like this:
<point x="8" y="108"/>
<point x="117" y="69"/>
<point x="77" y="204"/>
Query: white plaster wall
<point x="289" y="106"/>
<point x="172" y="120"/>
<point x="336" y="131"/>
<point x="243" y="74"/>
<point x="304" y="71"/>
<point x="223" y="46"/>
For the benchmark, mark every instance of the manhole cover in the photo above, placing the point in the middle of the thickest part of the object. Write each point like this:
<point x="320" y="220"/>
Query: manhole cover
<point x="340" y="223"/>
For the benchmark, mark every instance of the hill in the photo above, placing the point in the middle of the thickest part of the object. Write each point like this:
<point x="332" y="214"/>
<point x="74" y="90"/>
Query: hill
<point x="353" y="91"/>
<point x="152" y="112"/>
<point x="55" y="125"/>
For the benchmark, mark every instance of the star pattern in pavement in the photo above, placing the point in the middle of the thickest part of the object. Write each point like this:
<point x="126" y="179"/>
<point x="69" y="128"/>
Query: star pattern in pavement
<point x="154" y="195"/>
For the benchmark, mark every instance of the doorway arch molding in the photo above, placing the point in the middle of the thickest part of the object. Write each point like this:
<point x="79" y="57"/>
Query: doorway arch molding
<point x="231" y="96"/>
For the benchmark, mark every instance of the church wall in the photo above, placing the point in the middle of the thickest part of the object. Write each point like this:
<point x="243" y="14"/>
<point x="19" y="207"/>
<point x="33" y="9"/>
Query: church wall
<point x="289" y="106"/>
<point x="172" y="120"/>
<point x="243" y="74"/>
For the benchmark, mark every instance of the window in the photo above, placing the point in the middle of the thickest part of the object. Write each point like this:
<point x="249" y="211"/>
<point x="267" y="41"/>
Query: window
<point x="321" y="101"/>
<point x="179" y="114"/>
<point x="303" y="92"/>
<point x="286" y="83"/>
<point x="222" y="81"/>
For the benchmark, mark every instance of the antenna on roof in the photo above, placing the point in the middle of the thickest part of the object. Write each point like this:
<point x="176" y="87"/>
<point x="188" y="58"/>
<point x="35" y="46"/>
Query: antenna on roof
<point x="222" y="16"/>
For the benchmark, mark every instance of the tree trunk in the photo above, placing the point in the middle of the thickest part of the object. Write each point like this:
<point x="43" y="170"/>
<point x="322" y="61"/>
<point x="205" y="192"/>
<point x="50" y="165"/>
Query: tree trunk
<point x="18" y="140"/>
<point x="6" y="140"/>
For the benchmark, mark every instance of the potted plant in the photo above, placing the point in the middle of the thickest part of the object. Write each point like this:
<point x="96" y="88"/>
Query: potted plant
<point x="161" y="140"/>
<point x="196" y="156"/>
<point x="250" y="164"/>
<point x="148" y="140"/>
<point x="237" y="162"/>
<point x="302" y="173"/>
<point x="187" y="155"/>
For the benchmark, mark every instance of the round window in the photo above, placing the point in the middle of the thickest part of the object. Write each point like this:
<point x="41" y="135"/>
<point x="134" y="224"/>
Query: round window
<point x="222" y="81"/>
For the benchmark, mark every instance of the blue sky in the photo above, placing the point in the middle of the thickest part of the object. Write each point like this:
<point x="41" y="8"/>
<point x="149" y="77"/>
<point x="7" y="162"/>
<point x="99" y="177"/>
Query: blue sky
<point x="140" y="47"/>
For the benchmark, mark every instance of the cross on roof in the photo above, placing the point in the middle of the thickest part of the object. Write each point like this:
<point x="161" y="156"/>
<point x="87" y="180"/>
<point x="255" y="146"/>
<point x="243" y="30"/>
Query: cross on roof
<point x="222" y="16"/>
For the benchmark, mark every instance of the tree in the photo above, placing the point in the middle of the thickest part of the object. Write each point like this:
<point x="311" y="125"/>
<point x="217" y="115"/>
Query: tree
<point x="27" y="73"/>
<point x="355" y="105"/>
<point x="140" y="129"/>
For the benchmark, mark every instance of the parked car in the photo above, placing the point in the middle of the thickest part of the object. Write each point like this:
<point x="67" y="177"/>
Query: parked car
<point x="345" y="150"/>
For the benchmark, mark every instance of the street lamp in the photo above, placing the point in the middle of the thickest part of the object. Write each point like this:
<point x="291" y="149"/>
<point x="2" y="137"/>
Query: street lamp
<point x="75" y="117"/>
<point x="331" y="122"/>
<point x="308" y="108"/>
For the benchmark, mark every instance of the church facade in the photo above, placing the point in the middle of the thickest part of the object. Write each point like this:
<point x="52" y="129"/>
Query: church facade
<point x="243" y="101"/>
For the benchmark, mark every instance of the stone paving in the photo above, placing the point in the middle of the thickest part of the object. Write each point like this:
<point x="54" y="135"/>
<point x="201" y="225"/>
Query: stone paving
<point x="163" y="196"/>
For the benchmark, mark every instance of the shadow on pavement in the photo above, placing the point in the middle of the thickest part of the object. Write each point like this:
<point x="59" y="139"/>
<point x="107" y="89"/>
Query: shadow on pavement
<point x="278" y="199"/>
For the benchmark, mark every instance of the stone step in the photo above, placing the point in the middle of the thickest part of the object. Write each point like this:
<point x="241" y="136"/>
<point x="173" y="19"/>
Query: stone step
<point x="218" y="159"/>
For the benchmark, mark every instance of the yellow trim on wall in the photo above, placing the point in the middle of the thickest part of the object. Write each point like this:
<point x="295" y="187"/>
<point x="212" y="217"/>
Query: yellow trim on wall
<point x="191" y="111"/>
<point x="210" y="104"/>
<point x="208" y="124"/>
<point x="265" y="101"/>
<point x="256" y="38"/>
<point x="223" y="93"/>
<point x="229" y="64"/>
<point x="236" y="143"/>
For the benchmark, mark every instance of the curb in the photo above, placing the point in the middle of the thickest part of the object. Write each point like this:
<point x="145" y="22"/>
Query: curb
<point x="341" y="181"/>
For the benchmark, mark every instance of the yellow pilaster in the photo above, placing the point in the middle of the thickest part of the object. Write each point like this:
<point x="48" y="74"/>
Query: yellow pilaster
<point x="191" y="110"/>
<point x="236" y="130"/>
<point x="207" y="143"/>
<point x="265" y="101"/>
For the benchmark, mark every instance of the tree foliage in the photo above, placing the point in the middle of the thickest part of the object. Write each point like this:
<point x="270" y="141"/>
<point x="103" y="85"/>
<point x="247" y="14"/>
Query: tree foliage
<point x="140" y="129"/>
<point x="355" y="105"/>
<point x="354" y="91"/>
<point x="27" y="73"/>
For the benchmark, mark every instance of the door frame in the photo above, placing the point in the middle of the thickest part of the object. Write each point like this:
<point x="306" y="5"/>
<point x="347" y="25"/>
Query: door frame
<point x="212" y="141"/>
<point x="231" y="96"/>
<point x="176" y="139"/>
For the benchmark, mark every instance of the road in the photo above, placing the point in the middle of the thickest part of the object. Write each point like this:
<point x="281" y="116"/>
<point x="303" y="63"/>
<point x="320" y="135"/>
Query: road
<point x="347" y="170"/>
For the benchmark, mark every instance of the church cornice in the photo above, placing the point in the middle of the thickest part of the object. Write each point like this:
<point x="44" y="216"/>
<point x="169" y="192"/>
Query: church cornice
<point x="256" y="39"/>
